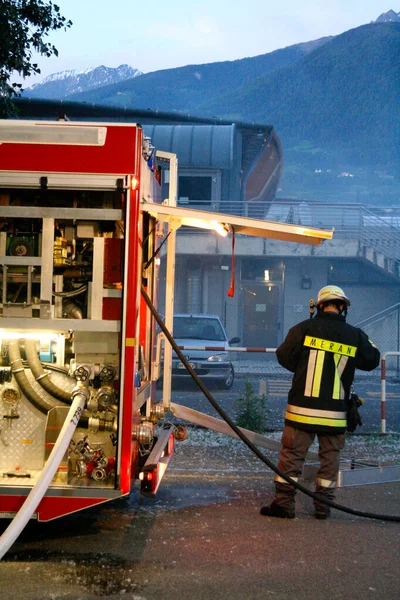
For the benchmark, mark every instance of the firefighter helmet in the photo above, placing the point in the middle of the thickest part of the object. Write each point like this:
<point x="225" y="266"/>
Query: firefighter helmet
<point x="331" y="292"/>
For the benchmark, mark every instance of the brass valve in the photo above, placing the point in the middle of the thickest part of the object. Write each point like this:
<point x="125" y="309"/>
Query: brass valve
<point x="157" y="412"/>
<point x="143" y="433"/>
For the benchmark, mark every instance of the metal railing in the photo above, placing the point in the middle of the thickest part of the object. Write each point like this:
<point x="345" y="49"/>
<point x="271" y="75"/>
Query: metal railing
<point x="347" y="219"/>
<point x="384" y="328"/>
<point x="378" y="316"/>
<point x="383" y="388"/>
<point x="377" y="229"/>
<point x="381" y="234"/>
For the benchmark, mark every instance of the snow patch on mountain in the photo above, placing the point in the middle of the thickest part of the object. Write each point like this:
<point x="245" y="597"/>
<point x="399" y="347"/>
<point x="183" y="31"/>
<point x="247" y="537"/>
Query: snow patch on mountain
<point x="387" y="17"/>
<point x="65" y="83"/>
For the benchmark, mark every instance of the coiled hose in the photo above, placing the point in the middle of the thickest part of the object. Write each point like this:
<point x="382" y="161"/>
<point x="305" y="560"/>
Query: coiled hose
<point x="40" y="374"/>
<point x="245" y="439"/>
<point x="17" y="369"/>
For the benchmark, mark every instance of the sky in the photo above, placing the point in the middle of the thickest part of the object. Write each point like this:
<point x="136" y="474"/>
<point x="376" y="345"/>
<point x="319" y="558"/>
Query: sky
<point x="151" y="36"/>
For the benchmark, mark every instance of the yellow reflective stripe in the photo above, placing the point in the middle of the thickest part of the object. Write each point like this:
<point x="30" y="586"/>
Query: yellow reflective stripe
<point x="310" y="372"/>
<point x="337" y="383"/>
<point x="340" y="363"/>
<point x="318" y="373"/>
<point x="130" y="341"/>
<point x="328" y="346"/>
<point x="312" y="412"/>
<point x="316" y="420"/>
<point x="326" y="483"/>
<point x="341" y="366"/>
<point x="281" y="480"/>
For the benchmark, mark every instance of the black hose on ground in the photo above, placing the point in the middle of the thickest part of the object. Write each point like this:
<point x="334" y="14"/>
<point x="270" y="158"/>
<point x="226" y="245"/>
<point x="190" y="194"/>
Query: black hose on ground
<point x="40" y="374"/>
<point x="244" y="438"/>
<point x="18" y="371"/>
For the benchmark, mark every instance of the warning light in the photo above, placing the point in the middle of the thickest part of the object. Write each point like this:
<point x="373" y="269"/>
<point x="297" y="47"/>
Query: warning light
<point x="143" y="476"/>
<point x="134" y="183"/>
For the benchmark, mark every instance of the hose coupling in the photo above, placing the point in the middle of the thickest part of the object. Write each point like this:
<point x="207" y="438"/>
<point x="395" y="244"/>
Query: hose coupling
<point x="82" y="391"/>
<point x="97" y="424"/>
<point x="157" y="412"/>
<point x="143" y="433"/>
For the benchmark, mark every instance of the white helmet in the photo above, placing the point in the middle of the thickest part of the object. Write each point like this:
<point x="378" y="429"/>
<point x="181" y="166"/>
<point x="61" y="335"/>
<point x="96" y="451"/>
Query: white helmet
<point x="331" y="292"/>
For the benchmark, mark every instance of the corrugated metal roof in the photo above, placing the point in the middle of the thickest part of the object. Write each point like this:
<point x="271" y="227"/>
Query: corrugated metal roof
<point x="197" y="146"/>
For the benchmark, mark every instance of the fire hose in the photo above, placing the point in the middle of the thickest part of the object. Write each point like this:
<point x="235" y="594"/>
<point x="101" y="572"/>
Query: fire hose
<point x="80" y="397"/>
<point x="244" y="438"/>
<point x="40" y="374"/>
<point x="17" y="368"/>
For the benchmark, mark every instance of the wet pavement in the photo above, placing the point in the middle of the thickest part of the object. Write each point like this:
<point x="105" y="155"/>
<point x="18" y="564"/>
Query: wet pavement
<point x="203" y="537"/>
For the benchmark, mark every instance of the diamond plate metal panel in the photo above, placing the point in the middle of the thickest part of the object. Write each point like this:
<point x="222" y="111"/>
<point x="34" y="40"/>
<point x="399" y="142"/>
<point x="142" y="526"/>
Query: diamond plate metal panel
<point x="22" y="445"/>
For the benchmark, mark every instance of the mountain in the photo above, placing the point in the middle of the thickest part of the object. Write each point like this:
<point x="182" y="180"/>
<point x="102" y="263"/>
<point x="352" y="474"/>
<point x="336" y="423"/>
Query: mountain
<point x="335" y="96"/>
<point x="62" y="85"/>
<point x="345" y="94"/>
<point x="388" y="17"/>
<point x="335" y="103"/>
<point x="184" y="88"/>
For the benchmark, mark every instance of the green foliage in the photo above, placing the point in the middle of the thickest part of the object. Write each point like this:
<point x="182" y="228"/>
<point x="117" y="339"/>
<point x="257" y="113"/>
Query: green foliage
<point x="340" y="95"/>
<point x="343" y="97"/>
<point x="23" y="26"/>
<point x="185" y="88"/>
<point x="251" y="410"/>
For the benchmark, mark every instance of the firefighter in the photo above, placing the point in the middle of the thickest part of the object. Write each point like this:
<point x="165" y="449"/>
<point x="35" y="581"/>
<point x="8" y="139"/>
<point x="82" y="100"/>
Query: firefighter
<point x="323" y="353"/>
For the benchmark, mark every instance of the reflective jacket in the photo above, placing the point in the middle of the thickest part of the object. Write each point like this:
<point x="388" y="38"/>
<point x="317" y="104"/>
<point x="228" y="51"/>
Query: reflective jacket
<point x="323" y="354"/>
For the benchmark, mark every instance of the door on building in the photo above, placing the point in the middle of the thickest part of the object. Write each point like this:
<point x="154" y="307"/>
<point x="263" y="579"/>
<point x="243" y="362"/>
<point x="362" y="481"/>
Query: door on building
<point x="261" y="315"/>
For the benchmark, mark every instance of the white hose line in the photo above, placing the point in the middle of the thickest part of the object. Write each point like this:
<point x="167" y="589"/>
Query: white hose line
<point x="39" y="489"/>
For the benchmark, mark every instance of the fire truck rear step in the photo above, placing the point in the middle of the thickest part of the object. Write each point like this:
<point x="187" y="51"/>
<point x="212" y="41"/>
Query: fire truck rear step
<point x="156" y="464"/>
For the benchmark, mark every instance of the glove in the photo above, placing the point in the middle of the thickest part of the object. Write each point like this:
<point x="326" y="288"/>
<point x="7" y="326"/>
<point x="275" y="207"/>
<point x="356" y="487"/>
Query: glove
<point x="353" y="416"/>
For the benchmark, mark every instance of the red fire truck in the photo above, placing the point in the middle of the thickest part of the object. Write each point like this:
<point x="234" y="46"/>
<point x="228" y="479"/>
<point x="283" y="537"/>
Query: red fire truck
<point x="82" y="221"/>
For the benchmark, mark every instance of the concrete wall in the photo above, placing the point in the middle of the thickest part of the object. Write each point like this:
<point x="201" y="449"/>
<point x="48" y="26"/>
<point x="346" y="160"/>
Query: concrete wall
<point x="208" y="293"/>
<point x="296" y="301"/>
<point x="366" y="301"/>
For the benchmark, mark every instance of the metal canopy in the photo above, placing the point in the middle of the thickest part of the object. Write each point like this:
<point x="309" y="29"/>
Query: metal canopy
<point x="222" y="223"/>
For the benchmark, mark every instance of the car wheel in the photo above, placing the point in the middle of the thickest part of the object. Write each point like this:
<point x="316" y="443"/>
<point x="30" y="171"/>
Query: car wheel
<point x="228" y="381"/>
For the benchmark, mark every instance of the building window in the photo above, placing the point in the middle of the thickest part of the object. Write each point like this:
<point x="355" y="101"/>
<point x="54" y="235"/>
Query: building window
<point x="199" y="189"/>
<point x="194" y="190"/>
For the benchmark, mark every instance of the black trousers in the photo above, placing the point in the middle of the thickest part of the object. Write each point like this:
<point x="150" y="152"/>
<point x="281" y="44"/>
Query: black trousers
<point x="295" y="444"/>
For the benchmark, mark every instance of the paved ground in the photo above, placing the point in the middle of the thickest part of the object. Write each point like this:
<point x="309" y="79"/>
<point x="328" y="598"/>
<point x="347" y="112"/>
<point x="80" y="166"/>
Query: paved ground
<point x="203" y="538"/>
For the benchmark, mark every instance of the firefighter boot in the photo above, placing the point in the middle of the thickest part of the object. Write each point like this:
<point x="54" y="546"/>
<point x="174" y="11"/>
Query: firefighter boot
<point x="322" y="512"/>
<point x="274" y="510"/>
